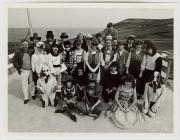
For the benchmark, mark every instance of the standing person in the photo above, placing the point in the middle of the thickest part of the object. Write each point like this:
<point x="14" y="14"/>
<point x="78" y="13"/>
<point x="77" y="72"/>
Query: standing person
<point x="135" y="59"/>
<point x="93" y="60"/>
<point x="88" y="40"/>
<point x="110" y="30"/>
<point x="63" y="37"/>
<point x="114" y="44"/>
<point x="121" y="57"/>
<point x="151" y="62"/>
<point x="69" y="58"/>
<point x="124" y="112"/>
<point x="108" y="54"/>
<point x="80" y="53"/>
<point x="130" y="43"/>
<point x="91" y="105"/>
<point x="56" y="64"/>
<point x="110" y="82"/>
<point x="101" y="43"/>
<point x="22" y="62"/>
<point x="49" y="41"/>
<point x="34" y="39"/>
<point x="39" y="59"/>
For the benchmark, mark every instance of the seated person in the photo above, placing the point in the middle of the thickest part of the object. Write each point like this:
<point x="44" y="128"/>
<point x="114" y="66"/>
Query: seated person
<point x="110" y="82"/>
<point x="67" y="98"/>
<point x="91" y="105"/>
<point x="81" y="79"/>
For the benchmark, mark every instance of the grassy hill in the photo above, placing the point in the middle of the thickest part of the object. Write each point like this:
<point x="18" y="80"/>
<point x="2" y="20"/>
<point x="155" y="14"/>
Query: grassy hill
<point x="146" y="28"/>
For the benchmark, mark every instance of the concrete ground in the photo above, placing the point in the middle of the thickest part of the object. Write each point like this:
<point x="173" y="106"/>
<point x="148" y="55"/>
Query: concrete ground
<point x="33" y="118"/>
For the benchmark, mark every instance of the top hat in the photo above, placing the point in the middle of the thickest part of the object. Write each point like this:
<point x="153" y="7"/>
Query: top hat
<point x="64" y="35"/>
<point x="49" y="34"/>
<point x="35" y="36"/>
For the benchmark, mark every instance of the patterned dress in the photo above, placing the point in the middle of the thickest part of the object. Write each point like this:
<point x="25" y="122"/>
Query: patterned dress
<point x="124" y="119"/>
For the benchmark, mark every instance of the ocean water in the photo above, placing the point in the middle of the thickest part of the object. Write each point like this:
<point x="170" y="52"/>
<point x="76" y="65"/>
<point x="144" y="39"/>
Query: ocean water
<point x="16" y="34"/>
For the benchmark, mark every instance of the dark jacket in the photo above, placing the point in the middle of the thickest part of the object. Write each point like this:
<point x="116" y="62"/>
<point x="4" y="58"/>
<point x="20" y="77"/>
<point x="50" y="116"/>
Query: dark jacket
<point x="18" y="58"/>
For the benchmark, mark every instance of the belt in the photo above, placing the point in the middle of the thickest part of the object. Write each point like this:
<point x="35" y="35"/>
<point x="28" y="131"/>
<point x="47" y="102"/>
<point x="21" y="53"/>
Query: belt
<point x="56" y="66"/>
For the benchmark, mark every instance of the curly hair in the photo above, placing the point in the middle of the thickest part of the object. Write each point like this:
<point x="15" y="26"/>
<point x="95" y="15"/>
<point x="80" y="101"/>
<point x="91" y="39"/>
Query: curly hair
<point x="128" y="78"/>
<point x="149" y="45"/>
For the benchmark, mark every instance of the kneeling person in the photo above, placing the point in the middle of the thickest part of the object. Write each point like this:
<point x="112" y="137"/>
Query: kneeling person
<point x="46" y="85"/>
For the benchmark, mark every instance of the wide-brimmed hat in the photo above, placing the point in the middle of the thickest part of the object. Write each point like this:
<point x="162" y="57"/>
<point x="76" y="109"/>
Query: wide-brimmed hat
<point x="64" y="35"/>
<point x="131" y="37"/>
<point x="35" y="36"/>
<point x="49" y="34"/>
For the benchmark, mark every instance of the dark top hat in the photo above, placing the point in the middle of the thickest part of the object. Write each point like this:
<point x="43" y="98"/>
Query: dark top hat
<point x="63" y="35"/>
<point x="49" y="34"/>
<point x="35" y="36"/>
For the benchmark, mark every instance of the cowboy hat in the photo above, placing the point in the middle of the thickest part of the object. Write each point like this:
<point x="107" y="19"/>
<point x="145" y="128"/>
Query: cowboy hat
<point x="64" y="35"/>
<point x="35" y="36"/>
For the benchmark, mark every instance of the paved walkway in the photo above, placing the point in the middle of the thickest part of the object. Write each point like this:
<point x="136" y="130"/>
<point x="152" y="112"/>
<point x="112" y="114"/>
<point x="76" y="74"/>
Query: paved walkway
<point x="33" y="118"/>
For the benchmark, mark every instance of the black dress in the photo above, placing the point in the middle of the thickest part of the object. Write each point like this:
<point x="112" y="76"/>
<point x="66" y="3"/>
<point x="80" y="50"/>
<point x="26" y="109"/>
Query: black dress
<point x="111" y="82"/>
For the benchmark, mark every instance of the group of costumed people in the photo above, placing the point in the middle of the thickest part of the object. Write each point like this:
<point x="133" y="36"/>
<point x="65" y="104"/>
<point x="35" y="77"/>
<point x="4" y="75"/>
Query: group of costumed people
<point x="92" y="71"/>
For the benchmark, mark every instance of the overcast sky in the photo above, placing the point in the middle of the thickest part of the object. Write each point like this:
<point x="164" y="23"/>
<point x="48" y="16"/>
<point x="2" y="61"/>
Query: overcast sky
<point x="79" y="18"/>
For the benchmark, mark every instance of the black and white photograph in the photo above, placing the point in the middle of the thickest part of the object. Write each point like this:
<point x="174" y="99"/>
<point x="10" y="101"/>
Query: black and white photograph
<point x="91" y="68"/>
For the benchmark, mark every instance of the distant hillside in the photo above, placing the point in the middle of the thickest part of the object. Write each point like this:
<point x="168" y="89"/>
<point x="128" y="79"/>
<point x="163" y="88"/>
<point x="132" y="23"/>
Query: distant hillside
<point x="146" y="28"/>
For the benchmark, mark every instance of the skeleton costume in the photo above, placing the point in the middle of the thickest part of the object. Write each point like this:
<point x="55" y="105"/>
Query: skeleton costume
<point x="46" y="85"/>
